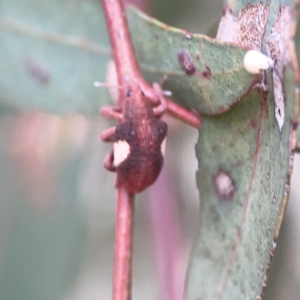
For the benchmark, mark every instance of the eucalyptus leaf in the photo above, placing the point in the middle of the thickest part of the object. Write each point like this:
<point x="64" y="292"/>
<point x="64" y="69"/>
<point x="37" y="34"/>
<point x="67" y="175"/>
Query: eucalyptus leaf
<point x="245" y="163"/>
<point x="55" y="52"/>
<point x="51" y="53"/>
<point x="210" y="87"/>
<point x="242" y="175"/>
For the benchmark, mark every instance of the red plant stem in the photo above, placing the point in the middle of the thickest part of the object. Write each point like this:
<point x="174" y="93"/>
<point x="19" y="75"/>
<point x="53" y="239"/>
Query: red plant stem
<point x="123" y="246"/>
<point x="120" y="40"/>
<point x="126" y="64"/>
<point x="130" y="79"/>
<point x="184" y="115"/>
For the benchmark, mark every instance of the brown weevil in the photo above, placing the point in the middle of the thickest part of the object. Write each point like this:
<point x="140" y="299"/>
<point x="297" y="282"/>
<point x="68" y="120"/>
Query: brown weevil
<point x="139" y="138"/>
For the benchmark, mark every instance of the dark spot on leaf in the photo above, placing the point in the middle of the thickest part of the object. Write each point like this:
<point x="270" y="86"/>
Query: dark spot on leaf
<point x="186" y="62"/>
<point x="207" y="73"/>
<point x="215" y="148"/>
<point x="294" y="126"/>
<point x="224" y="185"/>
<point x="279" y="111"/>
<point x="36" y="69"/>
<point x="238" y="163"/>
<point x="253" y="123"/>
<point x="215" y="216"/>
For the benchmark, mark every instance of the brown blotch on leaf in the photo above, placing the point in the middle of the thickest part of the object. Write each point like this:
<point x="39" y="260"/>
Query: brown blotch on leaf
<point x="207" y="73"/>
<point x="36" y="69"/>
<point x="294" y="126"/>
<point x="247" y="29"/>
<point x="186" y="62"/>
<point x="224" y="185"/>
<point x="253" y="123"/>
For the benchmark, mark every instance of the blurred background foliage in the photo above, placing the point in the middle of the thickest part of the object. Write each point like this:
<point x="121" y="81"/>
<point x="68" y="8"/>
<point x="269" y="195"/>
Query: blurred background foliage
<point x="57" y="203"/>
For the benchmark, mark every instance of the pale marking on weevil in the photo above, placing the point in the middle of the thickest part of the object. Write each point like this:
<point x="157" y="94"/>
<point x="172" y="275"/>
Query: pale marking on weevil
<point x="121" y="152"/>
<point x="163" y="147"/>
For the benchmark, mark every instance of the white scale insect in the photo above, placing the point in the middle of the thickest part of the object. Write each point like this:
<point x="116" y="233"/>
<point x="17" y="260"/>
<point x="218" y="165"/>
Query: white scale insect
<point x="254" y="63"/>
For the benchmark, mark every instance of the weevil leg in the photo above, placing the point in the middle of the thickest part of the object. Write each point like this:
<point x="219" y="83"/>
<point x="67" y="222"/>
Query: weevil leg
<point x="112" y="112"/>
<point x="157" y="99"/>
<point x="163" y="80"/>
<point x="108" y="161"/>
<point x="108" y="135"/>
<point x="161" y="108"/>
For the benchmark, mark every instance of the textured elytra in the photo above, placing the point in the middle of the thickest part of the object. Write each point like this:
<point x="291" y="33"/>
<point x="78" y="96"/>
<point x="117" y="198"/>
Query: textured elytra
<point x="144" y="159"/>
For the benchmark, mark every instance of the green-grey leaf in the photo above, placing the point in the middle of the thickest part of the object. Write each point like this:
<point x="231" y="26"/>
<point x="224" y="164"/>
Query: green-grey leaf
<point x="244" y="165"/>
<point x="51" y="53"/>
<point x="54" y="52"/>
<point x="212" y="87"/>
